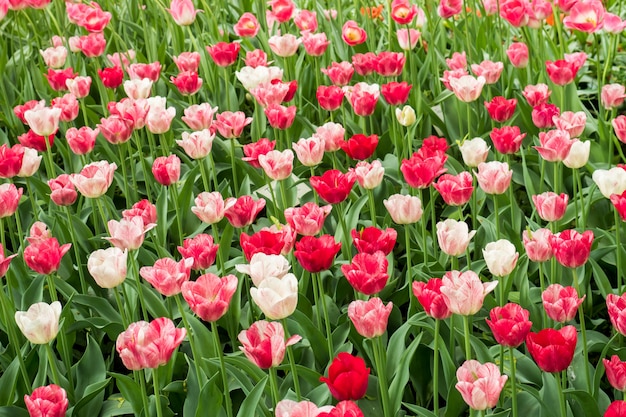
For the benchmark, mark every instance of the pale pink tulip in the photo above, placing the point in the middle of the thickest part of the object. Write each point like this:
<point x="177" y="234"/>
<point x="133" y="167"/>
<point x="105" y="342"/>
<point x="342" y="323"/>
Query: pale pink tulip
<point x="94" y="179"/>
<point x="480" y="384"/>
<point x="40" y="324"/>
<point x="263" y="266"/>
<point x="197" y="145"/>
<point x="454" y="236"/>
<point x="276" y="297"/>
<point x="464" y="292"/>
<point x="404" y="209"/>
<point x="494" y="177"/>
<point x="108" y="266"/>
<point x="500" y="257"/>
<point x="369" y="317"/>
<point x="127" y="233"/>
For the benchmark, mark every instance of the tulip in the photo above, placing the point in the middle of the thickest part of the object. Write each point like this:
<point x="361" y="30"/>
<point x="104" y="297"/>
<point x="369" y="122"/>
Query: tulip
<point x="285" y="45"/>
<point x="209" y="296"/>
<point x="494" y="177"/>
<point x="369" y="176"/>
<point x="211" y="207"/>
<point x="253" y="150"/>
<point x="183" y="12"/>
<point x="242" y="211"/>
<point x="167" y="275"/>
<point x="550" y="206"/>
<point x="464" y="292"/>
<point x="421" y="170"/>
<point x="269" y="242"/>
<point x="369" y="317"/>
<point x="616" y="409"/>
<point x="44" y="255"/>
<point x="288" y="408"/>
<point x="571" y="248"/>
<point x="578" y="155"/>
<point x="149" y="345"/>
<point x="201" y="249"/>
<point x="276" y="297"/>
<point x="500" y="257"/>
<point x="367" y="273"/>
<point x="616" y="307"/>
<point x="352" y="34"/>
<point x="333" y="186"/>
<point x="10" y="198"/>
<point x="40" y="324"/>
<point x="146" y="210"/>
<point x="310" y="152"/>
<point x="455" y="190"/>
<point x="480" y="384"/>
<point x="247" y="26"/>
<point x="430" y="297"/>
<point x="474" y="151"/>
<point x="263" y="266"/>
<point x="44" y="121"/>
<point x="500" y="109"/>
<point x="553" y="350"/>
<point x="406" y="116"/>
<point x="199" y="117"/>
<point x="307" y="220"/>
<point x="489" y="70"/>
<point x="609" y="182"/>
<point x="537" y="245"/>
<point x="616" y="372"/>
<point x="372" y="239"/>
<point x="453" y="236"/>
<point x="264" y="343"/>
<point x="62" y="190"/>
<point x="363" y="98"/>
<point x="127" y="233"/>
<point x="518" y="54"/>
<point x="94" y="179"/>
<point x="316" y="254"/>
<point x="5" y="261"/>
<point x="467" y="88"/>
<point x="561" y="303"/>
<point x="166" y="170"/>
<point x="277" y="165"/>
<point x="391" y="64"/>
<point x="347" y="377"/>
<point x="47" y="401"/>
<point x="543" y="118"/>
<point x="509" y="324"/>
<point x="408" y="38"/>
<point x="612" y="95"/>
<point x="108" y="267"/>
<point x="224" y="54"/>
<point x="315" y="44"/>
<point x="365" y="64"/>
<point x="404" y="209"/>
<point x="187" y="82"/>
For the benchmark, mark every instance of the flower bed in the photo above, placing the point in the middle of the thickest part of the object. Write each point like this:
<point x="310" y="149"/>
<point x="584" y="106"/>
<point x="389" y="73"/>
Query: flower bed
<point x="210" y="208"/>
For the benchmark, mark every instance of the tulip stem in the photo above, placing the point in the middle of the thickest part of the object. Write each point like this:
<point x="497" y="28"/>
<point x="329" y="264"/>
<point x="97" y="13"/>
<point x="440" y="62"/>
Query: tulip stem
<point x="190" y="335"/>
<point x="120" y="307"/>
<point x="53" y="366"/>
<point x="179" y="221"/>
<point x="220" y="261"/>
<point x="8" y="312"/>
<point x="436" y="368"/>
<point x="345" y="248"/>
<point x="214" y="173"/>
<point x="204" y="175"/>
<point x="135" y="269"/>
<point x="122" y="152"/>
<point x="562" y="404"/>
<point x="407" y="244"/>
<point x="157" y="391"/>
<point x="468" y="345"/>
<point x="317" y="277"/>
<point x="370" y="196"/>
<point x="220" y="355"/>
<point x="64" y="349"/>
<point x="31" y="197"/>
<point x="496" y="209"/>
<point x="233" y="168"/>
<point x="583" y="331"/>
<point x="48" y="159"/>
<point x="379" y="358"/>
<point x="542" y="286"/>
<point x="424" y="237"/>
<point x="283" y="195"/>
<point x="144" y="164"/>
<point x="83" y="283"/>
<point x="292" y="364"/>
<point x="513" y="382"/>
<point x="469" y="117"/>
<point x="274" y="385"/>
<point x="618" y="250"/>
<point x="582" y="199"/>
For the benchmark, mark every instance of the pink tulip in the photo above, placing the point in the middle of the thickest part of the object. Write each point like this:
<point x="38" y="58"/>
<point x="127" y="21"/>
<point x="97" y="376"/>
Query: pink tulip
<point x="586" y="16"/>
<point x="247" y="26"/>
<point x="307" y="220"/>
<point x="79" y="86"/>
<point x="94" y="179"/>
<point x="572" y="123"/>
<point x="467" y="88"/>
<point x="464" y="292"/>
<point x="166" y="275"/>
<point x="277" y="165"/>
<point x="489" y="70"/>
<point x="5" y="261"/>
<point x="200" y="116"/>
<point x="149" y="345"/>
<point x="550" y="206"/>
<point x="197" y="145"/>
<point x="289" y="408"/>
<point x="231" y="124"/>
<point x="369" y="175"/>
<point x="183" y="12"/>
<point x="144" y="209"/>
<point x="363" y="98"/>
<point x="81" y="141"/>
<point x="518" y="54"/>
<point x="612" y="95"/>
<point x="276" y="297"/>
<point x="494" y="177"/>
<point x="306" y="21"/>
<point x="315" y="44"/>
<point x="369" y="317"/>
<point x="408" y="38"/>
<point x="367" y="273"/>
<point x="209" y="296"/>
<point x="242" y="211"/>
<point x="453" y="236"/>
<point x="332" y="134"/>
<point x="619" y="126"/>
<point x="166" y="170"/>
<point x="54" y="57"/>
<point x="309" y="151"/>
<point x="480" y="384"/>
<point x="404" y="209"/>
<point x="201" y="249"/>
<point x="264" y="343"/>
<point x="127" y="233"/>
<point x="187" y="61"/>
<point x="44" y="255"/>
<point x="159" y="119"/>
<point x="210" y="207"/>
<point x="555" y="145"/>
<point x="561" y="303"/>
<point x="536" y="94"/>
<point x="285" y="45"/>
<point x="474" y="151"/>
<point x="40" y="324"/>
<point x="616" y="372"/>
<point x="537" y="245"/>
<point x="187" y="82"/>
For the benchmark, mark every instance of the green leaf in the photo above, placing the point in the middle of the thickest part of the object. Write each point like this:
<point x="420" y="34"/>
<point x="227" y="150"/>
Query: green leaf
<point x="130" y="390"/>
<point x="8" y="382"/>
<point x="396" y="389"/>
<point x="91" y="399"/>
<point x="250" y="404"/>
<point x="116" y="406"/>
<point x="585" y="400"/>
<point x="13" y="412"/>
<point x="90" y="373"/>
<point x="100" y="305"/>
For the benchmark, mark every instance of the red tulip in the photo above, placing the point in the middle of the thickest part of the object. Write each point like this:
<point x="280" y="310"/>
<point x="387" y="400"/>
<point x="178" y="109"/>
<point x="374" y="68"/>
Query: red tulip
<point x="343" y="409"/>
<point x="263" y="241"/>
<point x="47" y="401"/>
<point x="420" y="172"/>
<point x="616" y="409"/>
<point x="363" y="98"/>
<point x="507" y="140"/>
<point x="553" y="350"/>
<point x="432" y="300"/>
<point x="224" y="54"/>
<point x="149" y="345"/>
<point x="111" y="77"/>
<point x="543" y="115"/>
<point x="10" y="160"/>
<point x="316" y="254"/>
<point x="209" y="296"/>
<point x="365" y="64"/>
<point x="333" y="186"/>
<point x="347" y="377"/>
<point x="509" y="324"/>
<point x="396" y="93"/>
<point x="367" y="273"/>
<point x="571" y="248"/>
<point x="329" y="97"/>
<point x="360" y="147"/>
<point x="187" y="82"/>
<point x="372" y="239"/>
<point x="57" y="78"/>
<point x="279" y="116"/>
